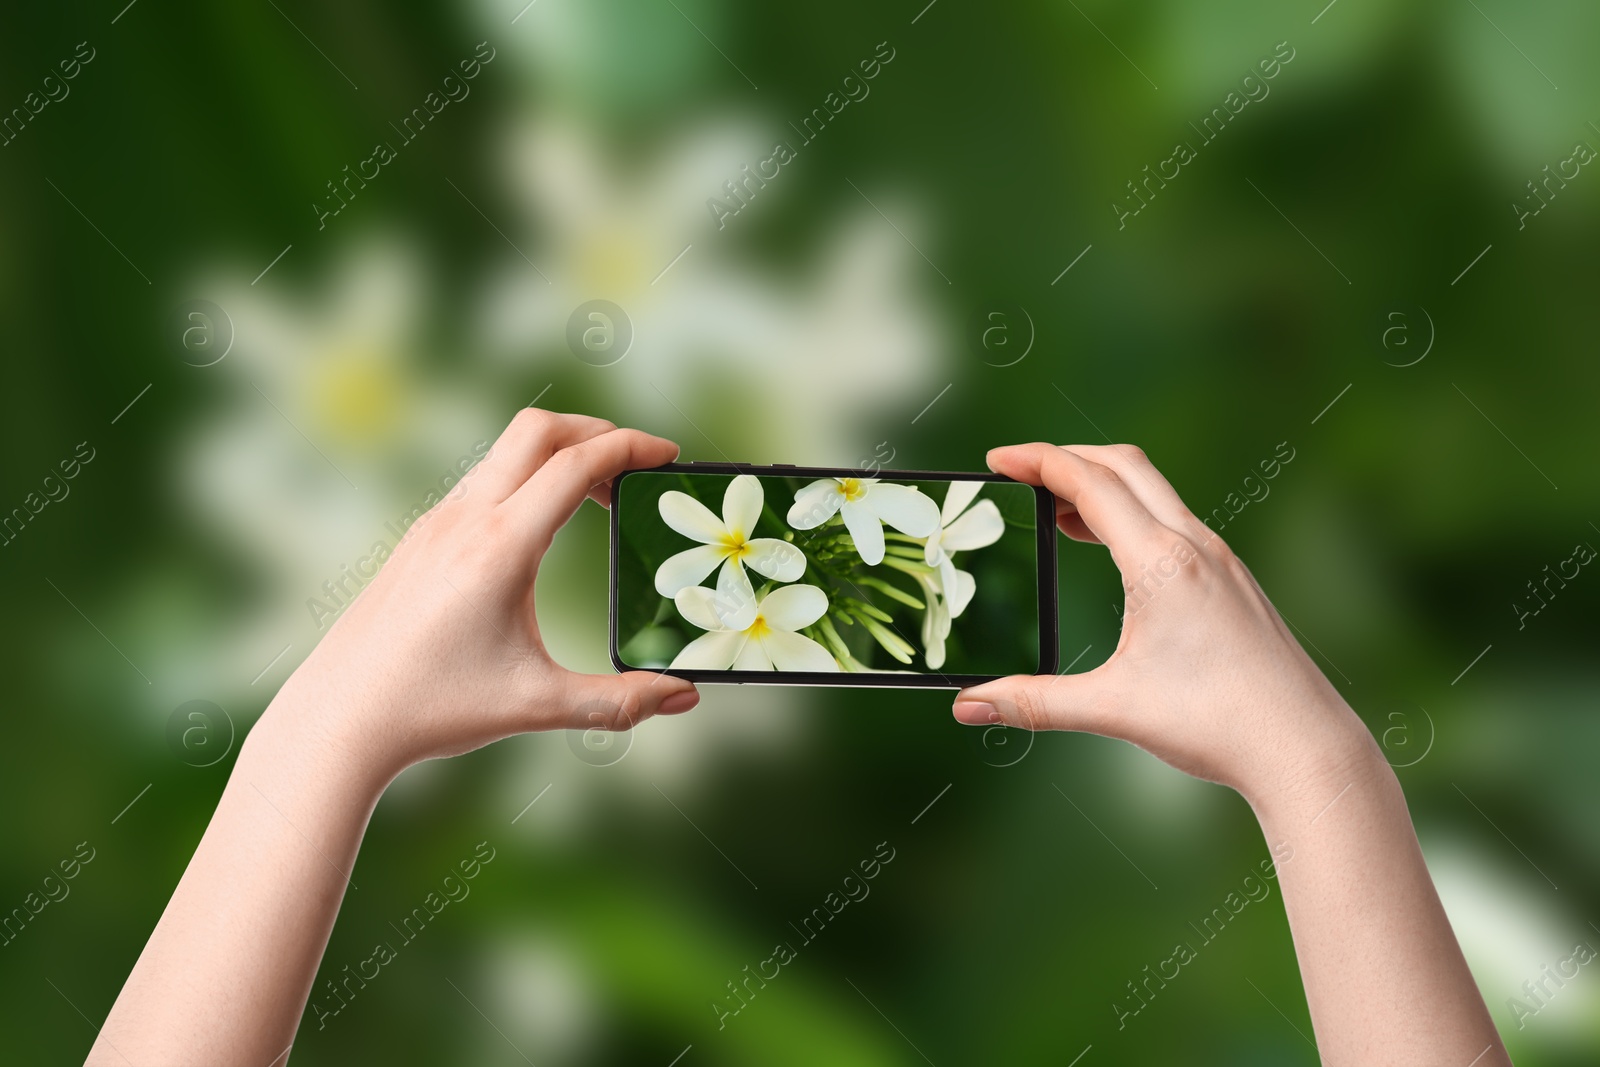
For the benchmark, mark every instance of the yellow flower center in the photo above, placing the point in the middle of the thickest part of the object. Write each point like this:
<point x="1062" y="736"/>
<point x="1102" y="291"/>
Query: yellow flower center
<point x="358" y="396"/>
<point x="612" y="263"/>
<point x="851" y="488"/>
<point x="734" y="546"/>
<point x="759" y="628"/>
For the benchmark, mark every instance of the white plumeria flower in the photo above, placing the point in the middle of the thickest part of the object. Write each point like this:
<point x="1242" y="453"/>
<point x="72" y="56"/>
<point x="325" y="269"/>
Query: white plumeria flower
<point x="725" y="542"/>
<point x="865" y="504"/>
<point x="936" y="618"/>
<point x="961" y="530"/>
<point x="760" y="640"/>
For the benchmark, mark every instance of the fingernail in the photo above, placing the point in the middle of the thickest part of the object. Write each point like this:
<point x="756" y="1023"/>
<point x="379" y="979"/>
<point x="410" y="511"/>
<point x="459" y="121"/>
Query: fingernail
<point x="677" y="702"/>
<point x="976" y="713"/>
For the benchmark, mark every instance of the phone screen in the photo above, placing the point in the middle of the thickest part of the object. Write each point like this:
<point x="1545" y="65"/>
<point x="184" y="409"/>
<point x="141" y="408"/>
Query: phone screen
<point x="831" y="577"/>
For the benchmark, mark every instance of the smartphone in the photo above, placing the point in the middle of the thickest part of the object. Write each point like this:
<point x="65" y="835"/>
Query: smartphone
<point x="784" y="575"/>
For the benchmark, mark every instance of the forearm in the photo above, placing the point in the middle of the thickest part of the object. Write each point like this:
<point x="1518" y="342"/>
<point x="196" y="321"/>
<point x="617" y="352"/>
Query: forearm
<point x="448" y="624"/>
<point x="1384" y="977"/>
<point x="246" y="928"/>
<point x="1209" y="677"/>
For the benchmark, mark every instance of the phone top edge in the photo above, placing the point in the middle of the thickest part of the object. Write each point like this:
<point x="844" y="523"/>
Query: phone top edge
<point x="791" y="471"/>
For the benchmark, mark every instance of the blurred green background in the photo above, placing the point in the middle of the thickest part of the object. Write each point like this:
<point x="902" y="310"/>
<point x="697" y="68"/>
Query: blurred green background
<point x="1356" y="271"/>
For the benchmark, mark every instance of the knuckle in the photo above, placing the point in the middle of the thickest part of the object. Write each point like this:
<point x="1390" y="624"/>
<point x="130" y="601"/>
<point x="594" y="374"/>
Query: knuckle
<point x="1219" y="550"/>
<point x="532" y="424"/>
<point x="493" y="528"/>
<point x="1237" y="570"/>
<point x="1029" y="710"/>
<point x="1133" y="453"/>
<point x="623" y="712"/>
<point x="484" y="546"/>
<point x="1100" y="476"/>
<point x="1180" y="553"/>
<point x="572" y="459"/>
<point x="588" y="456"/>
<point x="532" y="418"/>
<point x="630" y="710"/>
<point x="627" y="436"/>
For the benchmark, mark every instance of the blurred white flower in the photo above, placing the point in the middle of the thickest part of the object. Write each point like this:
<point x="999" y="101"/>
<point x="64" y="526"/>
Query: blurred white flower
<point x="766" y="642"/>
<point x="725" y="542"/>
<point x="326" y="432"/>
<point x="865" y="504"/>
<point x="1512" y="929"/>
<point x="547" y="993"/>
<point x="714" y="324"/>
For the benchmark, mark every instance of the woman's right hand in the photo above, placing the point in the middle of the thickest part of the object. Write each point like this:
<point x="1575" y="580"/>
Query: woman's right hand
<point x="1206" y="676"/>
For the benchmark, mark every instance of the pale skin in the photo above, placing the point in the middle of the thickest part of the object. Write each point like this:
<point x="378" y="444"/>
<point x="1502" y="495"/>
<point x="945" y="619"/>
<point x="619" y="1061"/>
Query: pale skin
<point x="441" y="654"/>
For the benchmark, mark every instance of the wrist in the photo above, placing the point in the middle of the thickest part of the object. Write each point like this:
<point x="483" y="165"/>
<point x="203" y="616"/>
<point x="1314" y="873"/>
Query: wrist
<point x="302" y="738"/>
<point x="1304" y="778"/>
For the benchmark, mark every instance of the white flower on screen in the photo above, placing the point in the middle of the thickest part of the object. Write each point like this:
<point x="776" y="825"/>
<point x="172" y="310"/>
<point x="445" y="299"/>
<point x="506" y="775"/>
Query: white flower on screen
<point x="762" y="639"/>
<point x="961" y="529"/>
<point x="725" y="543"/>
<point x="935" y="619"/>
<point x="865" y="504"/>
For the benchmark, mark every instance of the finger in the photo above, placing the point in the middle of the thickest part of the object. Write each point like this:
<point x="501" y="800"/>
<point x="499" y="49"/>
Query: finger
<point x="1085" y="702"/>
<point x="601" y="494"/>
<point x="1143" y="480"/>
<point x="1069" y="522"/>
<point x="622" y="701"/>
<point x="1153" y="489"/>
<point x="547" y="500"/>
<point x="533" y="436"/>
<point x="1104" y="502"/>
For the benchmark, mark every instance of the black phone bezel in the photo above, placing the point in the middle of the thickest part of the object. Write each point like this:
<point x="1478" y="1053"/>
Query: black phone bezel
<point x="1044" y="523"/>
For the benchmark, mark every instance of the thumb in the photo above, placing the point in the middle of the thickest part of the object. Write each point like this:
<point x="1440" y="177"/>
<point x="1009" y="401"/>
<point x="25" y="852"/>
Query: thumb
<point x="1040" y="702"/>
<point x="623" y="701"/>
